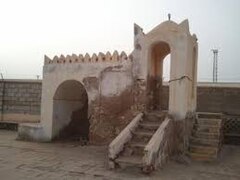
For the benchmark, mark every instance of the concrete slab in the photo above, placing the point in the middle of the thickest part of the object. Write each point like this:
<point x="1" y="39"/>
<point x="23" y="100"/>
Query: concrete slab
<point x="69" y="160"/>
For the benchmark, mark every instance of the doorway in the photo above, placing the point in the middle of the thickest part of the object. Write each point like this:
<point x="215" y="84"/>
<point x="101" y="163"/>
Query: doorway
<point x="70" y="111"/>
<point x="155" y="82"/>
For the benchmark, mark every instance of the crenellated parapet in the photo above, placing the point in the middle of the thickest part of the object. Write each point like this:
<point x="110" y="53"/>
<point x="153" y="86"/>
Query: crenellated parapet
<point x="101" y="57"/>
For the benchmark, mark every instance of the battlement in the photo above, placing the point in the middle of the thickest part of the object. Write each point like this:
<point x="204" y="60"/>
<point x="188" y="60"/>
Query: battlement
<point x="101" y="57"/>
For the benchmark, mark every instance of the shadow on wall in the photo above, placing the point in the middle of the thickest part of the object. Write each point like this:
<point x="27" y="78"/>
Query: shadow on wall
<point x="70" y="112"/>
<point x="78" y="128"/>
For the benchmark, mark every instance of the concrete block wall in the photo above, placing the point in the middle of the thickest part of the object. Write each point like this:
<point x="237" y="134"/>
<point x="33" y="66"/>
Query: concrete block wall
<point x="220" y="97"/>
<point x="20" y="100"/>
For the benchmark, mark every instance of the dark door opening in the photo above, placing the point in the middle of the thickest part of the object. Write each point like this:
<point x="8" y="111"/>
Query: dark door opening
<point x="70" y="112"/>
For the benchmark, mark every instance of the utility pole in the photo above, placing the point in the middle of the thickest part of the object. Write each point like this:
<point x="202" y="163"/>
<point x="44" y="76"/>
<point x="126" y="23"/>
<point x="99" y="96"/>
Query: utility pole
<point x="215" y="65"/>
<point x="169" y="16"/>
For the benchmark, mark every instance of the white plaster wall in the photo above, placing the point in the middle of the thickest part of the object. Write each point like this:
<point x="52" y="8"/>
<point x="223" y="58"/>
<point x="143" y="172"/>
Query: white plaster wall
<point x="115" y="82"/>
<point x="181" y="43"/>
<point x="119" y="74"/>
<point x="55" y="74"/>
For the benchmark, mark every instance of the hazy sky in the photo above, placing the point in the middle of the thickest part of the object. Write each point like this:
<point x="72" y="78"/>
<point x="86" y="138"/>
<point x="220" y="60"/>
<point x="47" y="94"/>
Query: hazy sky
<point x="29" y="29"/>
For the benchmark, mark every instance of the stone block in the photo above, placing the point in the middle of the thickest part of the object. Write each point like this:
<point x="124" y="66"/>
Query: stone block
<point x="32" y="132"/>
<point x="204" y="149"/>
<point x="202" y="157"/>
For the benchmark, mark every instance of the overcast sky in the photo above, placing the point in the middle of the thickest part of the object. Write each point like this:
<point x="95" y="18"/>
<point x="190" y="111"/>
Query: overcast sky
<point x="29" y="29"/>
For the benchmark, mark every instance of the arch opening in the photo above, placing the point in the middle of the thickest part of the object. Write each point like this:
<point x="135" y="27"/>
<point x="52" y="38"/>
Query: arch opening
<point x="70" y="112"/>
<point x="159" y="61"/>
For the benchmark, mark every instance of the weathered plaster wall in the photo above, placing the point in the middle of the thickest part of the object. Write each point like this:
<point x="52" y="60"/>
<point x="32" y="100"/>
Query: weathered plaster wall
<point x="20" y="100"/>
<point x="115" y="103"/>
<point x="108" y="82"/>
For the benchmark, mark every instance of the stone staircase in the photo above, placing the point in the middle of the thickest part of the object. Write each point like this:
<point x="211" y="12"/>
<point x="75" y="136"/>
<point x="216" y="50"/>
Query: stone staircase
<point x="133" y="150"/>
<point x="206" y="139"/>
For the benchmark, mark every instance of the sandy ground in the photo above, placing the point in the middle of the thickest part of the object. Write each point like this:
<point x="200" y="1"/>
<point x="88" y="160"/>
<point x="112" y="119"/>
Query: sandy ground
<point x="27" y="160"/>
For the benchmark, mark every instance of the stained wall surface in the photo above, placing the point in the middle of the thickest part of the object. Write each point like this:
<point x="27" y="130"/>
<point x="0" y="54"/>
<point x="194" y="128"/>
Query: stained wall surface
<point x="108" y="82"/>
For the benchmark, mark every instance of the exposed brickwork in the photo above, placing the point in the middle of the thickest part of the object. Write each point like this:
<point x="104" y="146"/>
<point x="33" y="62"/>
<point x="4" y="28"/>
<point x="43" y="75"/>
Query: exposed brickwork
<point x="110" y="117"/>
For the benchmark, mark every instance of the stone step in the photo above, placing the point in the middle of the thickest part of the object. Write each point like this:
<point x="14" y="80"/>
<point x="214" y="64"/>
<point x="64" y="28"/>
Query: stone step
<point x="143" y="133"/>
<point x="137" y="148"/>
<point x="202" y="157"/>
<point x="206" y="121"/>
<point x="207" y="128"/>
<point x="143" y="129"/>
<point x="141" y="138"/>
<point x="124" y="161"/>
<point x="128" y="151"/>
<point x="208" y="115"/>
<point x="203" y="149"/>
<point x="149" y="126"/>
<point x="206" y="135"/>
<point x="154" y="116"/>
<point x="204" y="142"/>
<point x="137" y="144"/>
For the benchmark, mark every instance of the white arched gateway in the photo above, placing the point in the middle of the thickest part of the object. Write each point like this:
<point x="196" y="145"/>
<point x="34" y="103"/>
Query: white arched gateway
<point x="108" y="90"/>
<point x="176" y="40"/>
<point x="137" y="144"/>
<point x="70" y="111"/>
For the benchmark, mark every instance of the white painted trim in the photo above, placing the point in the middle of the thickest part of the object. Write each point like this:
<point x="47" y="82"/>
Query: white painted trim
<point x="152" y="148"/>
<point x="118" y="143"/>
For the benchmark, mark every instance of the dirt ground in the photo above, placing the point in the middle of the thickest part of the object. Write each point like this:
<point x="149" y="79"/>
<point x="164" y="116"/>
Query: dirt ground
<point x="28" y="160"/>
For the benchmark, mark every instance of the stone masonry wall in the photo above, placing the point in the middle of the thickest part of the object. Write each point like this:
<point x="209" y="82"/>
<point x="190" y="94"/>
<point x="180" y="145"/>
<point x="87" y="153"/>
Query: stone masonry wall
<point x="20" y="100"/>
